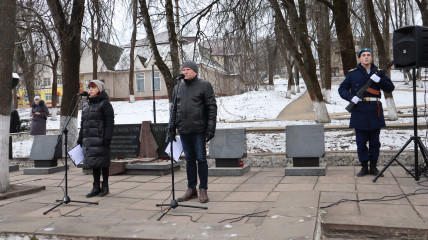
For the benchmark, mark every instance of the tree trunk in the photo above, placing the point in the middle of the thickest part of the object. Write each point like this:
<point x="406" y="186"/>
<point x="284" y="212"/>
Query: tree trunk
<point x="344" y="35"/>
<point x="271" y="59"/>
<point x="305" y="59"/>
<point x="28" y="69"/>
<point x="7" y="41"/>
<point x="383" y="58"/>
<point x="324" y="49"/>
<point x="69" y="36"/>
<point x="131" y="52"/>
<point x="342" y="21"/>
<point x="173" y="45"/>
<point x="423" y="7"/>
<point x="296" y="78"/>
<point x="163" y="68"/>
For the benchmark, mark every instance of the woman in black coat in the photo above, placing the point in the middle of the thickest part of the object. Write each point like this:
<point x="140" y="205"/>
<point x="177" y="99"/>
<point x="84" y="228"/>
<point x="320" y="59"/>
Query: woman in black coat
<point x="96" y="132"/>
<point x="39" y="114"/>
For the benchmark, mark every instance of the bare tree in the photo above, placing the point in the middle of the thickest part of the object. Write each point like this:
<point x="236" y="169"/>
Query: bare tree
<point x="304" y="59"/>
<point x="163" y="68"/>
<point x="323" y="30"/>
<point x="68" y="28"/>
<point x="344" y="33"/>
<point x="96" y="21"/>
<point x="132" y="50"/>
<point x="7" y="40"/>
<point x="383" y="52"/>
<point x="423" y="7"/>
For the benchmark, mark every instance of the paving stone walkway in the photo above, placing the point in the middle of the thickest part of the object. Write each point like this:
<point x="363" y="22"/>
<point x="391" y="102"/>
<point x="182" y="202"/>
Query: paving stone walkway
<point x="262" y="204"/>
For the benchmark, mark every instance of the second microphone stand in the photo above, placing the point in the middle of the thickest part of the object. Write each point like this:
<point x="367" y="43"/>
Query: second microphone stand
<point x="170" y="137"/>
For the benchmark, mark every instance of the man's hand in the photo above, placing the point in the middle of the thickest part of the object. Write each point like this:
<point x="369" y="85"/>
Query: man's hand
<point x="355" y="99"/>
<point x="375" y="78"/>
<point x="209" y="135"/>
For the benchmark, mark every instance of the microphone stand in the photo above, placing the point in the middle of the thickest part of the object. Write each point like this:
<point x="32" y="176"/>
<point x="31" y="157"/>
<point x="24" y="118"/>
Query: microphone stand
<point x="66" y="199"/>
<point x="170" y="137"/>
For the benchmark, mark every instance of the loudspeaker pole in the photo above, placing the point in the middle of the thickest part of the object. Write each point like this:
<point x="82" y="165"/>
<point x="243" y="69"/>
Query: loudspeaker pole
<point x="416" y="140"/>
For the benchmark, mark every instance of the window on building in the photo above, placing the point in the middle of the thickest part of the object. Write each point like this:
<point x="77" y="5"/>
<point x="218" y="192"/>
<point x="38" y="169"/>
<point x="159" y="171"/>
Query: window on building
<point x="59" y="80"/>
<point x="157" y="82"/>
<point x="48" y="96"/>
<point x="46" y="81"/>
<point x="139" y="79"/>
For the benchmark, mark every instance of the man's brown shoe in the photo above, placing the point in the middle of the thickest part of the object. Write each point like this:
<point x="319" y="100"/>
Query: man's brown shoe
<point x="189" y="194"/>
<point x="203" y="196"/>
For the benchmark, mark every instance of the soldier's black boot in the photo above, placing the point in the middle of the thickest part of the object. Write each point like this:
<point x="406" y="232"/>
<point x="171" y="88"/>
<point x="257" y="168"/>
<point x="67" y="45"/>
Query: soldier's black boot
<point x="364" y="169"/>
<point x="95" y="190"/>
<point x="373" y="169"/>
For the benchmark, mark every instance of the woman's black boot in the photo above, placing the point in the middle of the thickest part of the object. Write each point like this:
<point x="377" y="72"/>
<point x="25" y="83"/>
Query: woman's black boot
<point x="104" y="189"/>
<point x="95" y="190"/>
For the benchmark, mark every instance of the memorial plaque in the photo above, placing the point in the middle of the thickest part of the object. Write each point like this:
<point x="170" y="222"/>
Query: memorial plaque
<point x="159" y="131"/>
<point x="126" y="141"/>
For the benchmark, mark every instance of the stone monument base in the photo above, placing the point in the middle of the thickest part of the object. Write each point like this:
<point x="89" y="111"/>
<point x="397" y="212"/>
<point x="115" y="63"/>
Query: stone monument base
<point x="42" y="171"/>
<point x="228" y="171"/>
<point x="14" y="167"/>
<point x="152" y="168"/>
<point x="306" y="171"/>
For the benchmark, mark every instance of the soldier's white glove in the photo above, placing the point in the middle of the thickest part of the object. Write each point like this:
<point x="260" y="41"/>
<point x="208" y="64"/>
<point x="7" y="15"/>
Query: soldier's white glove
<point x="375" y="78"/>
<point x="355" y="99"/>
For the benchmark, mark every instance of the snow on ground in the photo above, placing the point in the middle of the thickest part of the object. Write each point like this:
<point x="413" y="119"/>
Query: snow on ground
<point x="264" y="105"/>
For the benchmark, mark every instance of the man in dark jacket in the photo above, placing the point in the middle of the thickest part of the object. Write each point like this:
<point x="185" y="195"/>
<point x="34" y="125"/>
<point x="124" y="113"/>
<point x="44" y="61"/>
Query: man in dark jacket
<point x="194" y="116"/>
<point x="367" y="117"/>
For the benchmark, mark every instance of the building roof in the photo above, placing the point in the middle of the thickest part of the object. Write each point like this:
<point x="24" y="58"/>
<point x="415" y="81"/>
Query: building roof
<point x="109" y="54"/>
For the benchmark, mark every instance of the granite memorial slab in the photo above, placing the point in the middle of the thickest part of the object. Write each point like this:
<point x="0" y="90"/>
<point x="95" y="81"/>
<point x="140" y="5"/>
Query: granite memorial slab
<point x="159" y="131"/>
<point x="305" y="144"/>
<point x="126" y="141"/>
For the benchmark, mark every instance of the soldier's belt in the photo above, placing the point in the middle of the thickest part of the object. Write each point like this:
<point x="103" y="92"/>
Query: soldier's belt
<point x="370" y="99"/>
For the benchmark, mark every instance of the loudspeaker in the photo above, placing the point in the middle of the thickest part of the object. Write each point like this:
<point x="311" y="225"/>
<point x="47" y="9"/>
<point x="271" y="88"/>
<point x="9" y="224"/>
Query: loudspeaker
<point x="45" y="150"/>
<point x="410" y="47"/>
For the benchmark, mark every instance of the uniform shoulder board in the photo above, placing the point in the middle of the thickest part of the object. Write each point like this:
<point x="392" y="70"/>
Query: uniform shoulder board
<point x="353" y="69"/>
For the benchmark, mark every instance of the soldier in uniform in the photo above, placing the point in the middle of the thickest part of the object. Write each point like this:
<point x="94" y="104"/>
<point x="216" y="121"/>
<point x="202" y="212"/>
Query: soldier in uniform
<point x="367" y="117"/>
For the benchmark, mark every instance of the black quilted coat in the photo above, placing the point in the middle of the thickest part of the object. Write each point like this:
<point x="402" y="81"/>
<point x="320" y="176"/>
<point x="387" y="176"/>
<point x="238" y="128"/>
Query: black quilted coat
<point x="96" y="129"/>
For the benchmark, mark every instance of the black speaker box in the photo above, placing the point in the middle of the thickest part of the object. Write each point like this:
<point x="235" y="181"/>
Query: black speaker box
<point x="45" y="150"/>
<point x="410" y="47"/>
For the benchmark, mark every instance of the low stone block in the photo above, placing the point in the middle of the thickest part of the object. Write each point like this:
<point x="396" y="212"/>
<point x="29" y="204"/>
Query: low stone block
<point x="306" y="171"/>
<point x="13" y="168"/>
<point x="152" y="168"/>
<point x="225" y="171"/>
<point x="42" y="171"/>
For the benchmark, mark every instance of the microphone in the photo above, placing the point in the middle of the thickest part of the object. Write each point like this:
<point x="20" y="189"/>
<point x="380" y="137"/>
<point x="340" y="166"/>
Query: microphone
<point x="181" y="76"/>
<point x="83" y="94"/>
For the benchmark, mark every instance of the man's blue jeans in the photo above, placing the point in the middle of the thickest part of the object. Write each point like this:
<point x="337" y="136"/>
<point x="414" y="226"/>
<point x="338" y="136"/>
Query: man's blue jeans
<point x="195" y="151"/>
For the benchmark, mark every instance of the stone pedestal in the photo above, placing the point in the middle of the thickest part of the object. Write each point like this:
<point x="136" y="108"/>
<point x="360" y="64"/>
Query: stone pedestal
<point x="228" y="147"/>
<point x="42" y="170"/>
<point x="45" y="151"/>
<point x="14" y="167"/>
<point x="148" y="145"/>
<point x="157" y="168"/>
<point x="228" y="171"/>
<point x="305" y="144"/>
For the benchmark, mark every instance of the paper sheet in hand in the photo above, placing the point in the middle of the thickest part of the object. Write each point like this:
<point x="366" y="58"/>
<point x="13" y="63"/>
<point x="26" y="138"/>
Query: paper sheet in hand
<point x="76" y="154"/>
<point x="176" y="147"/>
